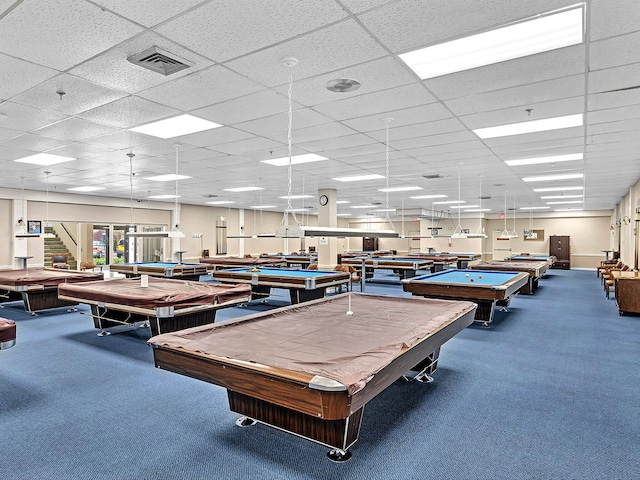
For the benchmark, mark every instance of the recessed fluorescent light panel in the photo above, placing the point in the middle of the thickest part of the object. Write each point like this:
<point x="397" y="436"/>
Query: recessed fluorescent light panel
<point x="362" y="206"/>
<point x="176" y="126"/>
<point x="533" y="126"/>
<point x="167" y="178"/>
<point x="343" y="214"/>
<point x="296" y="197"/>
<point x="478" y="210"/>
<point x="295" y="160"/>
<point x="465" y="206"/>
<point x="260" y="207"/>
<point x="449" y="202"/>
<point x="534" y="208"/>
<point x="44" y="159"/>
<point x="553" y="159"/>
<point x="358" y="178"/>
<point x="549" y="178"/>
<point x="423" y="197"/>
<point x="86" y="188"/>
<point x="340" y="202"/>
<point x="220" y="202"/>
<point x="399" y="189"/>
<point x="160" y="197"/>
<point x="385" y="210"/>
<point x="564" y="203"/>
<point x="541" y="34"/>
<point x="558" y="189"/>
<point x="556" y="197"/>
<point x="242" y="189"/>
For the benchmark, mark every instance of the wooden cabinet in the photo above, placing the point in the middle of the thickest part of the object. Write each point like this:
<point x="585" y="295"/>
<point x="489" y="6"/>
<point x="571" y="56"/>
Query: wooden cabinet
<point x="628" y="295"/>
<point x="560" y="246"/>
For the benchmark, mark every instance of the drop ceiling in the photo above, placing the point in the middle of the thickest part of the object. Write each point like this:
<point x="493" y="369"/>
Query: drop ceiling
<point x="66" y="88"/>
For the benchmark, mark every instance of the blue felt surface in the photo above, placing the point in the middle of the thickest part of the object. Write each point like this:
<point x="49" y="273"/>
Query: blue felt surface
<point x="283" y="272"/>
<point x="479" y="277"/>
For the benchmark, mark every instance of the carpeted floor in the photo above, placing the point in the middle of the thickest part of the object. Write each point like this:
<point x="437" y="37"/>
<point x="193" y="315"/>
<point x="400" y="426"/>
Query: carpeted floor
<point x="550" y="391"/>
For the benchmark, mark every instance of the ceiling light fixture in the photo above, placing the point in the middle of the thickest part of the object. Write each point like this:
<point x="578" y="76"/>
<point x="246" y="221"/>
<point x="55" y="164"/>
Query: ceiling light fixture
<point x="550" y="178"/>
<point x="242" y="189"/>
<point x="556" y="197"/>
<point x="557" y="189"/>
<point x="167" y="178"/>
<point x="400" y="189"/>
<point x="44" y="159"/>
<point x="176" y="126"/>
<point x="295" y="160"/>
<point x="359" y="178"/>
<point x="539" y="160"/>
<point x="86" y="188"/>
<point x="422" y="197"/>
<point x="220" y="202"/>
<point x="533" y="126"/>
<point x="538" y="34"/>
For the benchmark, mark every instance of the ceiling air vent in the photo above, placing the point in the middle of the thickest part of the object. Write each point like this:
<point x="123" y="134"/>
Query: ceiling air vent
<point x="432" y="176"/>
<point x="159" y="61"/>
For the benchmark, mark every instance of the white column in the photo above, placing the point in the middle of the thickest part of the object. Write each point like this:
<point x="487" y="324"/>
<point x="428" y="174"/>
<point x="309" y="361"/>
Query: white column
<point x="327" y="217"/>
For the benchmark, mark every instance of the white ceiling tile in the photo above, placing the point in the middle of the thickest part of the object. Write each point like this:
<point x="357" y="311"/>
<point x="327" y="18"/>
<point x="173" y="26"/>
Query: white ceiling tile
<point x="148" y="12"/>
<point x="273" y="124"/>
<point x="77" y="95"/>
<point x="614" y="52"/>
<point x="129" y="112"/>
<point x="75" y="129"/>
<point x="213" y="136"/>
<point x="430" y="140"/>
<point x="317" y="53"/>
<point x="613" y="114"/>
<point x="248" y="145"/>
<point x="68" y="32"/>
<point x="521" y="96"/>
<point x="617" y="78"/>
<point x="554" y="108"/>
<point x="202" y="88"/>
<point x="7" y="133"/>
<point x="613" y="17"/>
<point x="241" y="109"/>
<point x="337" y="142"/>
<point x="600" y="101"/>
<point x="318" y="132"/>
<point x="24" y="118"/>
<point x="418" y="130"/>
<point x="622" y="126"/>
<point x="32" y="142"/>
<point x="377" y="102"/>
<point x="405" y="116"/>
<point x="18" y="75"/>
<point x="244" y="26"/>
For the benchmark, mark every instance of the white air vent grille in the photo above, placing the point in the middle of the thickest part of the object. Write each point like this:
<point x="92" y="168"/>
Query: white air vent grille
<point x="159" y="61"/>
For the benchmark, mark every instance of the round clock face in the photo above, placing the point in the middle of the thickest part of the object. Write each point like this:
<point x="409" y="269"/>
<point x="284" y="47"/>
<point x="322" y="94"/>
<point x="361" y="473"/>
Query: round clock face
<point x="324" y="200"/>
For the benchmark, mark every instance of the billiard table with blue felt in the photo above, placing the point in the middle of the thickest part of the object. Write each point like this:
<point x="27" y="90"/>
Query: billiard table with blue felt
<point x="303" y="285"/>
<point x="550" y="259"/>
<point x="404" y="267"/>
<point x="486" y="288"/>
<point x="182" y="271"/>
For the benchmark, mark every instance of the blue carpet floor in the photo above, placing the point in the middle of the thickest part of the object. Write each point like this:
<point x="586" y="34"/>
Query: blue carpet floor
<point x="550" y="391"/>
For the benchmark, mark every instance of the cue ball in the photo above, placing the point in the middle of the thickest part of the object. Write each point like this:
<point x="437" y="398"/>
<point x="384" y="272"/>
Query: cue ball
<point x="471" y="279"/>
<point x="466" y="275"/>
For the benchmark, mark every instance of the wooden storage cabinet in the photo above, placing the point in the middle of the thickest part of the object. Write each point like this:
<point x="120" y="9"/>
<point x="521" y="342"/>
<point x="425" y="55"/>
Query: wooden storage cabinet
<point x="559" y="245"/>
<point x="628" y="295"/>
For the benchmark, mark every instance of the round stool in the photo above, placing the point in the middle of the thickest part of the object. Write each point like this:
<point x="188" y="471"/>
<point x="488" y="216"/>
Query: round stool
<point x="7" y="333"/>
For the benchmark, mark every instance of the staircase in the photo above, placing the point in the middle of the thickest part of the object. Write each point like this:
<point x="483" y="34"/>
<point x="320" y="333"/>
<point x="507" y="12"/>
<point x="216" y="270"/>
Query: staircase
<point x="54" y="246"/>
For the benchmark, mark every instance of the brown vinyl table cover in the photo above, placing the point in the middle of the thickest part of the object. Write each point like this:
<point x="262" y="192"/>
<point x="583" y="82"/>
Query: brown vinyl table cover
<point x="242" y="262"/>
<point x="45" y="276"/>
<point x="319" y="338"/>
<point x="161" y="292"/>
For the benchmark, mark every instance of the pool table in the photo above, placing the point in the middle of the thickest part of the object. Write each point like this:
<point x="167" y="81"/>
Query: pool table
<point x="486" y="288"/>
<point x="536" y="270"/>
<point x="404" y="267"/>
<point x="184" y="271"/>
<point x="303" y="285"/>
<point x="293" y="259"/>
<point x="550" y="259"/>
<point x="463" y="258"/>
<point x="309" y="369"/>
<point x="440" y="261"/>
<point x="38" y="287"/>
<point x="166" y="304"/>
<point x="221" y="263"/>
